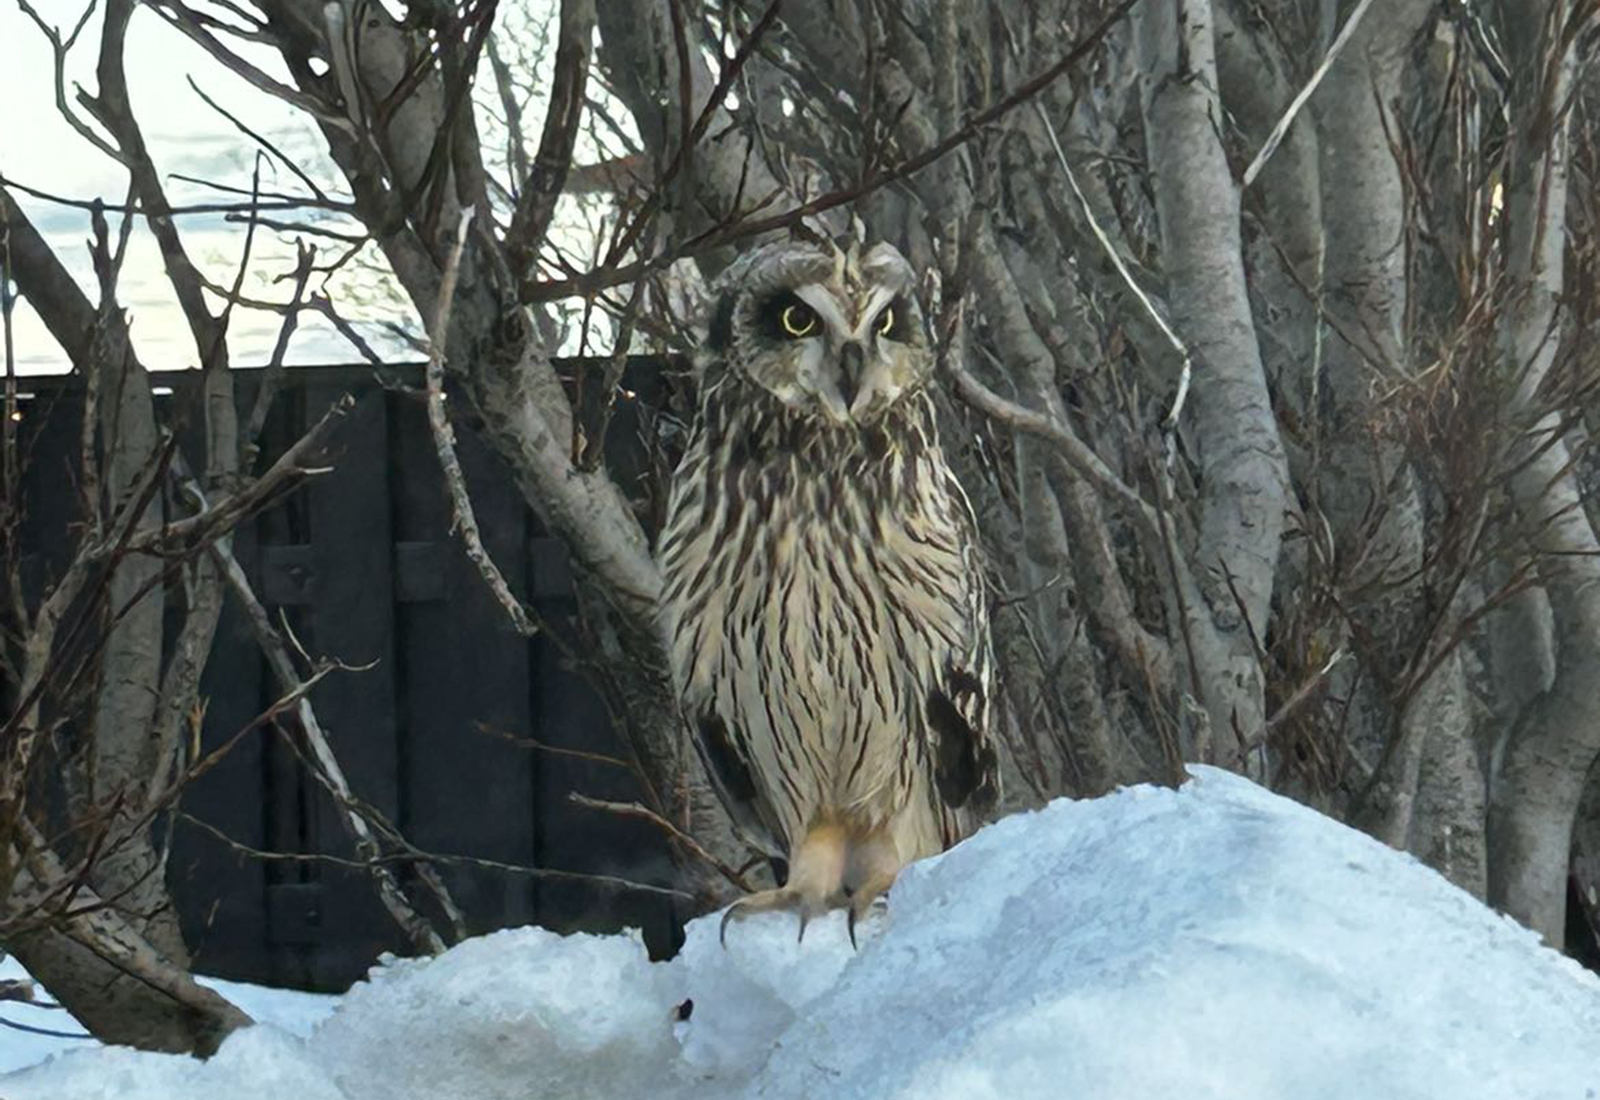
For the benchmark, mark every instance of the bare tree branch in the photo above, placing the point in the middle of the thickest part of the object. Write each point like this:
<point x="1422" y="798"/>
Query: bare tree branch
<point x="464" y="521"/>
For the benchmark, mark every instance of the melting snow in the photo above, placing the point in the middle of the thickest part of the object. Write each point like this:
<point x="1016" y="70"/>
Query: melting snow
<point x="1216" y="941"/>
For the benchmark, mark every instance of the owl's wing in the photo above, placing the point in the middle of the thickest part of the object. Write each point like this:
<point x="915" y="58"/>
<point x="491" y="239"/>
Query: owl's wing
<point x="963" y="703"/>
<point x="722" y="747"/>
<point x="726" y="757"/>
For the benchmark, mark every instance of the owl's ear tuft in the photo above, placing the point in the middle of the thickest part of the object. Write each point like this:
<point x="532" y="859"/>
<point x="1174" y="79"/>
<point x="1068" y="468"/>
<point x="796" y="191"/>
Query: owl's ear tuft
<point x="721" y="334"/>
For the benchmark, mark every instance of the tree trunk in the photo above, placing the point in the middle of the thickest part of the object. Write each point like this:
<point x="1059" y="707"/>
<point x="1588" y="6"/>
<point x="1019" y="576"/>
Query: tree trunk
<point x="1535" y="797"/>
<point x="1243" y="471"/>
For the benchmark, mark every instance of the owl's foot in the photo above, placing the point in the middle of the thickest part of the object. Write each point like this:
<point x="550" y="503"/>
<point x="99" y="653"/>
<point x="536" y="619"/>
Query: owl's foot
<point x="805" y="904"/>
<point x="816" y="879"/>
<point x="863" y="897"/>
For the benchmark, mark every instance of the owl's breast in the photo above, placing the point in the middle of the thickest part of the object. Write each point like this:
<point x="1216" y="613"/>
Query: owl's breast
<point x="810" y="607"/>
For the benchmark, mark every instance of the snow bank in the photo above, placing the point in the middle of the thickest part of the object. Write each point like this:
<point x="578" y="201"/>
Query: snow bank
<point x="20" y="1048"/>
<point x="287" y="1009"/>
<point x="1216" y="941"/>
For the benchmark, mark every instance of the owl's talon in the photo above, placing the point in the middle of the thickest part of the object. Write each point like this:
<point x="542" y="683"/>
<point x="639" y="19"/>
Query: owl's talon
<point x="871" y="893"/>
<point x="804" y="905"/>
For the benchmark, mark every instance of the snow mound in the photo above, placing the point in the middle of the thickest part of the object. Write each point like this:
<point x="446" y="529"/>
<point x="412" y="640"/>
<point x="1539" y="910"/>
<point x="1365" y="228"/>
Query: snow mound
<point x="575" y="1016"/>
<point x="1216" y="941"/>
<point x="287" y="1009"/>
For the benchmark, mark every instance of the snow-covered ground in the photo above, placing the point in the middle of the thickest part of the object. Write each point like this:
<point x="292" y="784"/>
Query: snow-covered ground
<point x="1216" y="941"/>
<point x="288" y="1009"/>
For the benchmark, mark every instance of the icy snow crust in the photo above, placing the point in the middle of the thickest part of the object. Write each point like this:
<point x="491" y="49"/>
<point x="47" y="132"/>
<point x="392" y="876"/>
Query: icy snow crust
<point x="1216" y="941"/>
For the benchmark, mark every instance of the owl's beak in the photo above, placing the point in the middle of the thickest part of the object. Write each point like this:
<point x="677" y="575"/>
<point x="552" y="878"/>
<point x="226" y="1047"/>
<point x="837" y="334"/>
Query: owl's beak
<point x="852" y="365"/>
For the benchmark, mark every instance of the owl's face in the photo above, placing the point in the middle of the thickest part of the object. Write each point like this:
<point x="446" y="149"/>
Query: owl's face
<point x="827" y="333"/>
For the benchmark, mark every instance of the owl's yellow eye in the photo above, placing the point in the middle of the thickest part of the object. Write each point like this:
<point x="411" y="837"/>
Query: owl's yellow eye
<point x="798" y="320"/>
<point x="886" y="322"/>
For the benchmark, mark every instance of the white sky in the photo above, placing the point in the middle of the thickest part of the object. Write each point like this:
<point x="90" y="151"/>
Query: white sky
<point x="38" y="148"/>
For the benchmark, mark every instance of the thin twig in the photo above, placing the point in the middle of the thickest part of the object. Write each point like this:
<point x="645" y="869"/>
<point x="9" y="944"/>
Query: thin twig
<point x="10" y="467"/>
<point x="644" y="813"/>
<point x="59" y="50"/>
<point x="554" y="750"/>
<point x="327" y="770"/>
<point x="225" y="513"/>
<point x="197" y="208"/>
<point x="272" y="377"/>
<point x="324" y="305"/>
<point x="1175" y="410"/>
<point x="691" y="133"/>
<point x="1275" y="138"/>
<point x="283" y="158"/>
<point x="184" y="20"/>
<point x="45" y="1031"/>
<point x="415" y="856"/>
<point x="464" y="521"/>
<point x="535" y="290"/>
<point x="516" y="148"/>
<point x="1077" y="453"/>
<point x="542" y="185"/>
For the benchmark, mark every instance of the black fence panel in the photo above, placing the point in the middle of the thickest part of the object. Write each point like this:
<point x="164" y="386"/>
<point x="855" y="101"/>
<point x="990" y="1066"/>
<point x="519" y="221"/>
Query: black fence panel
<point x="439" y="727"/>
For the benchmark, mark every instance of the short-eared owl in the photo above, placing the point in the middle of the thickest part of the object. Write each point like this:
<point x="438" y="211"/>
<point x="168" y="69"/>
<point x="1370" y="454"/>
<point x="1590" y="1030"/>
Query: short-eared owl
<point x="824" y="596"/>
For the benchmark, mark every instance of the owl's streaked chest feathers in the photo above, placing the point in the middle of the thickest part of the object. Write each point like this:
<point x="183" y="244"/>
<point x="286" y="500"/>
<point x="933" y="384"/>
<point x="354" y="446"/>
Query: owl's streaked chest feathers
<point x="818" y="581"/>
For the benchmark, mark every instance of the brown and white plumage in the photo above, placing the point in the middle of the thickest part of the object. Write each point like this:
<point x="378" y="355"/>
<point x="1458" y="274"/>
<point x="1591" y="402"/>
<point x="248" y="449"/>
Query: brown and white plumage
<point x="824" y="596"/>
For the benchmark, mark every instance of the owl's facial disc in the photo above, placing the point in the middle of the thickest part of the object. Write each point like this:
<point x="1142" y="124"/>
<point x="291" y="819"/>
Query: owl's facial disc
<point x="848" y="368"/>
<point x="892" y="362"/>
<point x="831" y="334"/>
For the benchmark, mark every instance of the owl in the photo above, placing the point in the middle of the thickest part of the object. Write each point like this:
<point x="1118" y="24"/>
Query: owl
<point x="824" y="600"/>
